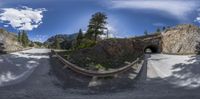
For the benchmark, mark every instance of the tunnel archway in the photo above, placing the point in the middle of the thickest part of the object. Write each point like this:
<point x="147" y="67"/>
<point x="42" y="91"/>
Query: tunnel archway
<point x="151" y="49"/>
<point x="2" y="48"/>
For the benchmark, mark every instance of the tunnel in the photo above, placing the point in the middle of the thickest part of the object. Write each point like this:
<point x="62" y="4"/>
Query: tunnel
<point x="2" y="48"/>
<point x="151" y="49"/>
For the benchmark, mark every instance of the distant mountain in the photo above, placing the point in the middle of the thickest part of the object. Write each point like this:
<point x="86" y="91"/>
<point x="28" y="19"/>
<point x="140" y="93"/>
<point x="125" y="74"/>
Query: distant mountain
<point x="64" y="39"/>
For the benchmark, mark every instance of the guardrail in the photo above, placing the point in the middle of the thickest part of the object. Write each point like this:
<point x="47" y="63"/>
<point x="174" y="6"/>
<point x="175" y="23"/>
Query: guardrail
<point x="98" y="73"/>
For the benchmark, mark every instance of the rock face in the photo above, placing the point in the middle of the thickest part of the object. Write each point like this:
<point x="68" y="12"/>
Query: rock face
<point x="182" y="39"/>
<point x="8" y="42"/>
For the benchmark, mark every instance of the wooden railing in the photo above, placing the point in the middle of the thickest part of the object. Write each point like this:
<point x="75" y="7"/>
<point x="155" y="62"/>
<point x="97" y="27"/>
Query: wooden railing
<point x="86" y="72"/>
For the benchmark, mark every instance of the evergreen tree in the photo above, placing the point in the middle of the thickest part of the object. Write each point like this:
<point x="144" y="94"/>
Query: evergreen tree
<point x="145" y="32"/>
<point x="19" y="37"/>
<point x="57" y="43"/>
<point x="89" y="34"/>
<point x="24" y="39"/>
<point x="79" y="37"/>
<point x="96" y="25"/>
<point x="158" y="30"/>
<point x="164" y="28"/>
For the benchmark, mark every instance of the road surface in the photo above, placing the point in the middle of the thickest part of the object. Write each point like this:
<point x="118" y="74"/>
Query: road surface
<point x="29" y="75"/>
<point x="180" y="71"/>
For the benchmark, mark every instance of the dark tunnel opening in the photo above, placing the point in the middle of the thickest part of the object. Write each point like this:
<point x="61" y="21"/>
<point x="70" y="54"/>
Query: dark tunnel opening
<point x="2" y="48"/>
<point x="151" y="49"/>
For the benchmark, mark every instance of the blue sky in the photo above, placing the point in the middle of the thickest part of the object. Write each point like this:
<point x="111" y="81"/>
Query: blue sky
<point x="44" y="18"/>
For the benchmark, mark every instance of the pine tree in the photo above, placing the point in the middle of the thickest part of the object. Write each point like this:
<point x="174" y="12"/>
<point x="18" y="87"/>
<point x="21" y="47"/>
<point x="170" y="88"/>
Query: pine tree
<point x="164" y="28"/>
<point x="96" y="25"/>
<point x="79" y="37"/>
<point x="57" y="43"/>
<point x="89" y="34"/>
<point x="24" y="39"/>
<point x="19" y="37"/>
<point x="158" y="30"/>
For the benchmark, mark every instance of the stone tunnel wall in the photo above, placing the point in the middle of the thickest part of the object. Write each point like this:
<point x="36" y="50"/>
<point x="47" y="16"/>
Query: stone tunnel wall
<point x="149" y="41"/>
<point x="153" y="44"/>
<point x="181" y="39"/>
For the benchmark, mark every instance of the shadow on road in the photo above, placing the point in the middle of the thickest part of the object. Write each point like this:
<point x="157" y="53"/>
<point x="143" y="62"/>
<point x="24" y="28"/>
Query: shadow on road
<point x="187" y="74"/>
<point x="16" y="67"/>
<point x="183" y="83"/>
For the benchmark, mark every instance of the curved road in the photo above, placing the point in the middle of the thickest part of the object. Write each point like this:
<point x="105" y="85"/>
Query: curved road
<point x="28" y="75"/>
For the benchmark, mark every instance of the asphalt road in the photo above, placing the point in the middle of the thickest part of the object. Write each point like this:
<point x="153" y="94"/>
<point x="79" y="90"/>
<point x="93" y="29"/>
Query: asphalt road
<point x="32" y="74"/>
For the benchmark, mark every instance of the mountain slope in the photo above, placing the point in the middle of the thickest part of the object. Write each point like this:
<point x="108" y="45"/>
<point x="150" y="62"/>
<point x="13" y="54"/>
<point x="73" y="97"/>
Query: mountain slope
<point x="65" y="40"/>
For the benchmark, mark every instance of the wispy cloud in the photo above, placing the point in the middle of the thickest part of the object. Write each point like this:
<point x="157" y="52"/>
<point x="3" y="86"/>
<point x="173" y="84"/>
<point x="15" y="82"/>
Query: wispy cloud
<point x="111" y="28"/>
<point x="23" y="18"/>
<point x="40" y="38"/>
<point x="198" y="17"/>
<point x="178" y="8"/>
<point x="111" y="31"/>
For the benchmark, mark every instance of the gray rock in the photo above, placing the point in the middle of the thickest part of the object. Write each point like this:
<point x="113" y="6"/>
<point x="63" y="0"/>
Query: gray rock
<point x="8" y="41"/>
<point x="182" y="39"/>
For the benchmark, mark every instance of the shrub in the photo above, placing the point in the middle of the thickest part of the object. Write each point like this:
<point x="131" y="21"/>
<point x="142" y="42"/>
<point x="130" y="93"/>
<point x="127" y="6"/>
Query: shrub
<point x="99" y="67"/>
<point x="86" y="43"/>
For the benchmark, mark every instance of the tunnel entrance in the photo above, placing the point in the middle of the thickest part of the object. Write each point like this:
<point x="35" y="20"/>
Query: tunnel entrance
<point x="151" y="49"/>
<point x="2" y="48"/>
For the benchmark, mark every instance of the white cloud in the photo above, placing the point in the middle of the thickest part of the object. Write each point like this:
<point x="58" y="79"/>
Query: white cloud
<point x="40" y="38"/>
<point x="23" y="18"/>
<point x="111" y="31"/>
<point x="84" y="31"/>
<point x="198" y="17"/>
<point x="5" y="25"/>
<point x="110" y="28"/>
<point x="177" y="8"/>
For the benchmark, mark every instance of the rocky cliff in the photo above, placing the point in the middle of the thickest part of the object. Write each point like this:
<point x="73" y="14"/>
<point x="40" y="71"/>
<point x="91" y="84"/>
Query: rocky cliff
<point x="182" y="39"/>
<point x="8" y="42"/>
